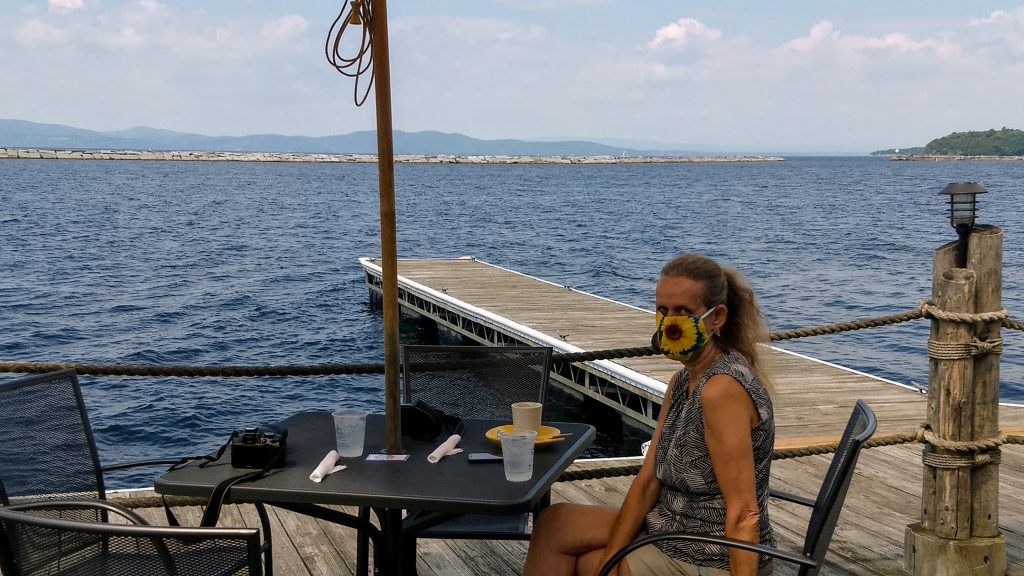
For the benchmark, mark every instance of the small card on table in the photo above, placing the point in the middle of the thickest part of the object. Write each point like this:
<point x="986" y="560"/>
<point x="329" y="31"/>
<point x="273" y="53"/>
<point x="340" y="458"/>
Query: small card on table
<point x="388" y="457"/>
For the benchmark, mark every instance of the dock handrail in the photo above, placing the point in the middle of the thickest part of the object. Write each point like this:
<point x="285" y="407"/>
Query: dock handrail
<point x="925" y="310"/>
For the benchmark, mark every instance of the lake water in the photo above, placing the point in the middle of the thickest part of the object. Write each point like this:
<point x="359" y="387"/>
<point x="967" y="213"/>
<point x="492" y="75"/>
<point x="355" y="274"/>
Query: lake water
<point x="256" y="263"/>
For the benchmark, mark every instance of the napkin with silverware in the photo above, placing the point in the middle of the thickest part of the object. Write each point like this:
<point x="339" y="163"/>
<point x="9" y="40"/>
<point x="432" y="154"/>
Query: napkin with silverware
<point x="329" y="465"/>
<point x="447" y="448"/>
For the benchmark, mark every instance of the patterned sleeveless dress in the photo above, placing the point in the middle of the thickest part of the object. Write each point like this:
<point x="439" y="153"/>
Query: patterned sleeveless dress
<point x="691" y="499"/>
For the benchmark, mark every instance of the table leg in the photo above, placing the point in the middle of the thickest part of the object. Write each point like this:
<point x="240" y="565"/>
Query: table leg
<point x="363" y="545"/>
<point x="391" y="528"/>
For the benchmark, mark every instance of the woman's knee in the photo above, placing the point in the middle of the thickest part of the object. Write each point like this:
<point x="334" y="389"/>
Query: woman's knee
<point x="554" y="517"/>
<point x="575" y="527"/>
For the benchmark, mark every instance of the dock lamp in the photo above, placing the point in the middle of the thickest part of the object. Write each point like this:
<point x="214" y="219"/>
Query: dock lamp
<point x="963" y="206"/>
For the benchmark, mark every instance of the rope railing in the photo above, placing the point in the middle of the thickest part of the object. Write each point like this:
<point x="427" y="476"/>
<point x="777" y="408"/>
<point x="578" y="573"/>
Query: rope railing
<point x="274" y="371"/>
<point x="921" y="435"/>
<point x="924" y="310"/>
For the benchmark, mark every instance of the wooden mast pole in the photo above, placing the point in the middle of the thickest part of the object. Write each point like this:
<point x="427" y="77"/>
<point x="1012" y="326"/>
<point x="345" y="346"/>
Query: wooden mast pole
<point x="388" y="236"/>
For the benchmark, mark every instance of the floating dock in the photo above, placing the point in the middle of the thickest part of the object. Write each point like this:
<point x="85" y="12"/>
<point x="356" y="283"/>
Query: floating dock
<point x="497" y="306"/>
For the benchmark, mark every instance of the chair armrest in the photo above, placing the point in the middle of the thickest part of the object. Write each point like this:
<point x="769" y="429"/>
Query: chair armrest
<point x="791" y="498"/>
<point x="93" y="504"/>
<point x="140" y="463"/>
<point x="709" y="539"/>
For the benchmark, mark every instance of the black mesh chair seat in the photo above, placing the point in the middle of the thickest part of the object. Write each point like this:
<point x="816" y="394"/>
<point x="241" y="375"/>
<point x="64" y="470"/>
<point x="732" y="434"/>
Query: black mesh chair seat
<point x="478" y="382"/>
<point x="824" y="510"/>
<point x="49" y="453"/>
<point x="475" y="381"/>
<point x="40" y="538"/>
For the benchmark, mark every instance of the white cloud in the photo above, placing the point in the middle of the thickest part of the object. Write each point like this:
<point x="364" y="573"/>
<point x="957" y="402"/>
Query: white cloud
<point x="685" y="30"/>
<point x="1000" y="17"/>
<point x="35" y="32"/>
<point x="285" y="28"/>
<point x="124" y="37"/>
<point x="66" y="6"/>
<point x="824" y="35"/>
<point x="997" y="40"/>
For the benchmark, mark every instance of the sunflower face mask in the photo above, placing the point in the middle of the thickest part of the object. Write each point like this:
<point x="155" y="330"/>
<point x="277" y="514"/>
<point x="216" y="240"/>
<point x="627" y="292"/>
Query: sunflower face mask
<point x="681" y="337"/>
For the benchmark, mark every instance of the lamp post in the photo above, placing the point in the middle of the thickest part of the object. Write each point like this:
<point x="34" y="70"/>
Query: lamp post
<point x="963" y="206"/>
<point x="959" y="529"/>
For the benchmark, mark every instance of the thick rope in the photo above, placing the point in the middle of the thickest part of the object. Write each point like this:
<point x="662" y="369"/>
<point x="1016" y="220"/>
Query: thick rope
<point x="847" y="326"/>
<point x="930" y="310"/>
<point x="924" y="310"/>
<point x="954" y="461"/>
<point x="195" y="371"/>
<point x="963" y="350"/>
<point x="264" y="371"/>
<point x="778" y="454"/>
<point x="922" y="434"/>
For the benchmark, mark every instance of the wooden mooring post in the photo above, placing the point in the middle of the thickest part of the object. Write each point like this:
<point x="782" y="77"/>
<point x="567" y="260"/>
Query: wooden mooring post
<point x="958" y="534"/>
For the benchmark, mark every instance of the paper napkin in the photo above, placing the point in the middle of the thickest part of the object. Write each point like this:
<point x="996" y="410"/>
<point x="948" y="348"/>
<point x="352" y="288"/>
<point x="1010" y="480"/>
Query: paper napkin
<point x="447" y="448"/>
<point x="327" y="466"/>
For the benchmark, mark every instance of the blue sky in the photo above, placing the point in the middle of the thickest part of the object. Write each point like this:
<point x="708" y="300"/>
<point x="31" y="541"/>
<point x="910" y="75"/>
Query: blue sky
<point x="775" y="77"/>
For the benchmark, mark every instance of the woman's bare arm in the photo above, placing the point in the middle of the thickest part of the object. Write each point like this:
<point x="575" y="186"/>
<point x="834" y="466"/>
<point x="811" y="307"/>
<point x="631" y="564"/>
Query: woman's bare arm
<point x="643" y="492"/>
<point x="729" y="417"/>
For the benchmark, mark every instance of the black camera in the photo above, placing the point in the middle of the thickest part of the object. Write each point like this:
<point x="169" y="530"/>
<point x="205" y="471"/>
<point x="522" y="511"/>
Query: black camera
<point x="258" y="448"/>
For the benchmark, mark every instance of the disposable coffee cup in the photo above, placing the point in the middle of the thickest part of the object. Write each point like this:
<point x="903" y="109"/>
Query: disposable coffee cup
<point x="517" y="454"/>
<point x="526" y="416"/>
<point x="350" y="431"/>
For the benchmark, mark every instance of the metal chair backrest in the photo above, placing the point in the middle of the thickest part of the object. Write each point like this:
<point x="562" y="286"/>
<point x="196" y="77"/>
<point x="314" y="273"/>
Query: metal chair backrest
<point x="48" y="451"/>
<point x="41" y="543"/>
<point x="829" y="502"/>
<point x="475" y="381"/>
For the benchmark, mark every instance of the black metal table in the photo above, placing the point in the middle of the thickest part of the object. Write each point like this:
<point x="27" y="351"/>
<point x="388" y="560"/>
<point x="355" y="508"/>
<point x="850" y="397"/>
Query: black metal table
<point x="451" y="487"/>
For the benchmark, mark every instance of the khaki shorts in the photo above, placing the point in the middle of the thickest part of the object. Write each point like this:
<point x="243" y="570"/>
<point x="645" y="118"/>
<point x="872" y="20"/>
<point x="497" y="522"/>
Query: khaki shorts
<point x="651" y="561"/>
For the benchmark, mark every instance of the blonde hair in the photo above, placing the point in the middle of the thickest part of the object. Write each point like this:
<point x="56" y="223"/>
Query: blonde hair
<point x="745" y="326"/>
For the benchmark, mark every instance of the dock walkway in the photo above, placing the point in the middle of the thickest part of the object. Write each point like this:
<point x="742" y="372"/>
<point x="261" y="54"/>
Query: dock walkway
<point x="494" y="305"/>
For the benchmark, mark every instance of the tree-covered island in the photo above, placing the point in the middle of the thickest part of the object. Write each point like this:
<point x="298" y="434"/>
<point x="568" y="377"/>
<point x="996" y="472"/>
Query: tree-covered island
<point x="1003" y="142"/>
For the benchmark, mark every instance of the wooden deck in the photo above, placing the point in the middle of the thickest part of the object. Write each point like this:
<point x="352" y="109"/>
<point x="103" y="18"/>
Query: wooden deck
<point x="883" y="500"/>
<point x="813" y="402"/>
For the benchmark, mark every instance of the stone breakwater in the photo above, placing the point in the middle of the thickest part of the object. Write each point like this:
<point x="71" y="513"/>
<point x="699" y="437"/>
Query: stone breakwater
<point x="37" y="154"/>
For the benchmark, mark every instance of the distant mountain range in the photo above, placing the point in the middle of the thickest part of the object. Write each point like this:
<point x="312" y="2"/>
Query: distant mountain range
<point x="22" y="134"/>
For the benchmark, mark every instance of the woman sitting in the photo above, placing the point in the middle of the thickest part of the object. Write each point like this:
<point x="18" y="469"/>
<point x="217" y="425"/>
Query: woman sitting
<point x="711" y="453"/>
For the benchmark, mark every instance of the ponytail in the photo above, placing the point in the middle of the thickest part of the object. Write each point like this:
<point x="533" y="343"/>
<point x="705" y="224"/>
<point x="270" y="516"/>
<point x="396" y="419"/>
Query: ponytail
<point x="745" y="328"/>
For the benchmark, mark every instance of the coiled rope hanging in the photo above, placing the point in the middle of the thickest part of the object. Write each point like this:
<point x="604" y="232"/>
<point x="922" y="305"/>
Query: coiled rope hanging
<point x="353" y="13"/>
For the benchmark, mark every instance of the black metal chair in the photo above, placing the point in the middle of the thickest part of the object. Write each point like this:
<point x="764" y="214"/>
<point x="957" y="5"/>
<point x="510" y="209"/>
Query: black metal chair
<point x="824" y="510"/>
<point x="48" y="452"/>
<point x="470" y="382"/>
<point x="50" y="538"/>
<point x="475" y="381"/>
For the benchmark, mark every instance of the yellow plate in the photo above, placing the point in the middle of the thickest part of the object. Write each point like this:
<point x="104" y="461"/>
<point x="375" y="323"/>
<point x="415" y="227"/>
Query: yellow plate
<point x="544" y="436"/>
